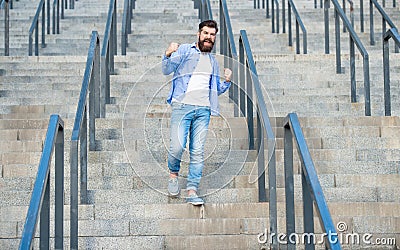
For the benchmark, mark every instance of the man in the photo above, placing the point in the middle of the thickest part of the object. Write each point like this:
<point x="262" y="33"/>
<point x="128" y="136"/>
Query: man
<point x="193" y="97"/>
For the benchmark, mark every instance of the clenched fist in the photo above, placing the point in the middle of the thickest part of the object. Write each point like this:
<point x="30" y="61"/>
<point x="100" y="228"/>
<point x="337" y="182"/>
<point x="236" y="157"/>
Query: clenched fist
<point x="227" y="74"/>
<point x="171" y="49"/>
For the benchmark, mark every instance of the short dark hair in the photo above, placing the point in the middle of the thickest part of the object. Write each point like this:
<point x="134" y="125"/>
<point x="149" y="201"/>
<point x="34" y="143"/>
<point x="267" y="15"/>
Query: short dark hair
<point x="209" y="24"/>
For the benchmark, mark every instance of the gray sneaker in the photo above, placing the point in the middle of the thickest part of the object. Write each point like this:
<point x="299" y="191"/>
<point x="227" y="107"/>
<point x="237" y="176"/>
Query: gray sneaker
<point x="173" y="187"/>
<point x="194" y="200"/>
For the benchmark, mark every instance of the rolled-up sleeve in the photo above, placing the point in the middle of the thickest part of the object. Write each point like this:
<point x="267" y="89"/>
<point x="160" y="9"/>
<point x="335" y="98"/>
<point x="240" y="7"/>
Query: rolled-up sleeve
<point x="170" y="64"/>
<point x="222" y="86"/>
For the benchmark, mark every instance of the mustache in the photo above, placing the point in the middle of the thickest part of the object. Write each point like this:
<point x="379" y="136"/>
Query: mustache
<point x="207" y="40"/>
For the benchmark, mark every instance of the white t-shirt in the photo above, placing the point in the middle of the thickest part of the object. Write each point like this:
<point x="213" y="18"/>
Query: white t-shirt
<point x="198" y="91"/>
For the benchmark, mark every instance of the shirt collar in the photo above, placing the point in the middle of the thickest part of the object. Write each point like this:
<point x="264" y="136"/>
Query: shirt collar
<point x="193" y="45"/>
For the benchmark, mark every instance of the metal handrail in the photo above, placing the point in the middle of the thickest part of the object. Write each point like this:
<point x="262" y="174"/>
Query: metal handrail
<point x="56" y="15"/>
<point x="257" y="4"/>
<point x="35" y="27"/>
<point x="351" y="3"/>
<point x="108" y="51"/>
<point x="274" y="11"/>
<point x="264" y="127"/>
<point x="265" y="5"/>
<point x="385" y="20"/>
<point x="10" y="2"/>
<point x="311" y="188"/>
<point x="6" y="5"/>
<point x="354" y="40"/>
<point x="228" y="50"/>
<point x="384" y="3"/>
<point x="316" y="4"/>
<point x="299" y="23"/>
<point x="78" y="153"/>
<point x="391" y="33"/>
<point x="129" y="6"/>
<point x="40" y="199"/>
<point x="205" y="12"/>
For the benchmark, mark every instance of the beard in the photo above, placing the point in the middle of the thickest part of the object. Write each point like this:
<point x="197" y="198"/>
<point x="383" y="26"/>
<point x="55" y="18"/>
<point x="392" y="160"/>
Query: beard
<point x="203" y="47"/>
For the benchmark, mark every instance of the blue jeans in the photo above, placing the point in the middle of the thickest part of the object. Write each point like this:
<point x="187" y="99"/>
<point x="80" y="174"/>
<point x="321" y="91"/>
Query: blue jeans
<point x="193" y="121"/>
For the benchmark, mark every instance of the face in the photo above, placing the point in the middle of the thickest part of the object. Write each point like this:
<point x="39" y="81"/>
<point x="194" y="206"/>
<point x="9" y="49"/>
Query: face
<point x="206" y="39"/>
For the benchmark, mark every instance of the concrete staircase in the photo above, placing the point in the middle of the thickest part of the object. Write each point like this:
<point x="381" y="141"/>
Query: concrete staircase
<point x="357" y="157"/>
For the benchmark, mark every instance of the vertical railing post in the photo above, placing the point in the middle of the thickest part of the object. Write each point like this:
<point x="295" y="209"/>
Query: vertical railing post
<point x="283" y="17"/>
<point x="249" y="101"/>
<point x="273" y="15"/>
<point x="7" y="29"/>
<point x="326" y="22"/>
<point x="297" y="37"/>
<point x="242" y="87"/>
<point x="290" y="24"/>
<point x="386" y="76"/>
<point x="384" y="27"/>
<point x="353" y="71"/>
<point x="337" y="36"/>
<point x="92" y="112"/>
<point x="59" y="190"/>
<point x="308" y="213"/>
<point x="58" y="16"/>
<point x="83" y="139"/>
<point x="344" y="11"/>
<point x="262" y="196"/>
<point x="305" y="42"/>
<point x="367" y="85"/>
<point x="131" y="4"/>
<point x="289" y="185"/>
<point x="74" y="194"/>
<point x="362" y="16"/>
<point x="352" y="14"/>
<point x="273" y="204"/>
<point x="114" y="35"/>
<point x="96" y="81"/>
<point x="277" y="16"/>
<point x="37" y="38"/>
<point x="54" y="19"/>
<point x="105" y="74"/>
<point x="62" y="8"/>
<point x="371" y="23"/>
<point x="43" y="25"/>
<point x="125" y="26"/>
<point x="222" y="29"/>
<point x="48" y="16"/>
<point x="45" y="218"/>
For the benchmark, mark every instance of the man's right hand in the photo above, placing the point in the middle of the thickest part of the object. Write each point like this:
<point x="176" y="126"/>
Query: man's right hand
<point x="171" y="49"/>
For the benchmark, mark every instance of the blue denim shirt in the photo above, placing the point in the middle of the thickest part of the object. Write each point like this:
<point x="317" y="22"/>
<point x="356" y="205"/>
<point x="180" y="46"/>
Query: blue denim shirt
<point x="183" y="62"/>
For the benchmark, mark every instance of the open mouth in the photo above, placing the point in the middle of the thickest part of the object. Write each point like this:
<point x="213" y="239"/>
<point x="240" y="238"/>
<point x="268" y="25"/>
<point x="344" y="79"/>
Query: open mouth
<point x="208" y="42"/>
